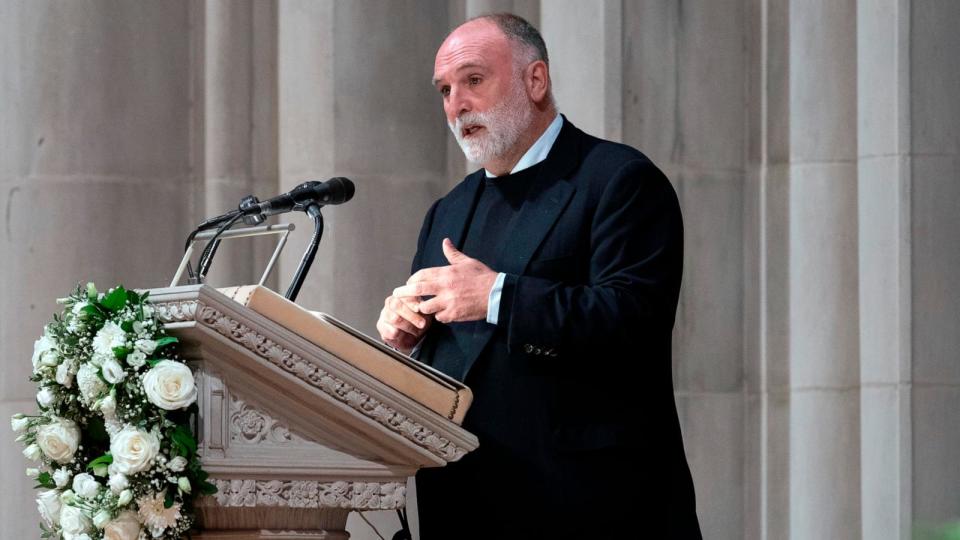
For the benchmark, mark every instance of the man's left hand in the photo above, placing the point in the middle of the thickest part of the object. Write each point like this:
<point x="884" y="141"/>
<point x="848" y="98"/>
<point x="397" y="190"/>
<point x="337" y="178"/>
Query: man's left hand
<point x="460" y="291"/>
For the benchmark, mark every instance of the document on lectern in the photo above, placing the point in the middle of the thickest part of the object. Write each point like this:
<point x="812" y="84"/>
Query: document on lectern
<point x="431" y="388"/>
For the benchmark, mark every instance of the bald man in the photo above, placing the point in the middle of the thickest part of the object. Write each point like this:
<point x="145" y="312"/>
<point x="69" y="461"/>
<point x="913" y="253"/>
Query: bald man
<point x="548" y="282"/>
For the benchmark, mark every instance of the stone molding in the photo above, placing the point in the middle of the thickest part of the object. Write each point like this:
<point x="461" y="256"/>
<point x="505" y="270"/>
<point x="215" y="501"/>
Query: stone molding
<point x="248" y="493"/>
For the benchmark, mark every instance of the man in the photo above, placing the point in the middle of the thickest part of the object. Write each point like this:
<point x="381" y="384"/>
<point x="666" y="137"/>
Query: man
<point x="548" y="282"/>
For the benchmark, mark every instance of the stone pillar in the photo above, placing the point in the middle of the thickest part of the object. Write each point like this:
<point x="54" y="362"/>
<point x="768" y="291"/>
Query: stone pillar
<point x="678" y="71"/>
<point x="823" y="272"/>
<point x="883" y="204"/>
<point x="96" y="175"/>
<point x="239" y="124"/>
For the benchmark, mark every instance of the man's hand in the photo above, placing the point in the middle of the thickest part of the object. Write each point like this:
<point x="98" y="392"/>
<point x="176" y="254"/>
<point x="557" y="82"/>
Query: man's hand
<point x="400" y="326"/>
<point x="460" y="291"/>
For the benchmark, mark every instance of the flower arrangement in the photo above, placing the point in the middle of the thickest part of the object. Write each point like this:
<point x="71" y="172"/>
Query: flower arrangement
<point x="117" y="459"/>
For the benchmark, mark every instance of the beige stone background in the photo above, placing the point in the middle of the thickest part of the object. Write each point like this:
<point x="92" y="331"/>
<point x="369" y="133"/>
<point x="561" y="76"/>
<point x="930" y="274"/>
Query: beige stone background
<point x="815" y="146"/>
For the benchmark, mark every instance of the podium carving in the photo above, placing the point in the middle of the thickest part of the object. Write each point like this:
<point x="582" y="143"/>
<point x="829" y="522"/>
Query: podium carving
<point x="294" y="437"/>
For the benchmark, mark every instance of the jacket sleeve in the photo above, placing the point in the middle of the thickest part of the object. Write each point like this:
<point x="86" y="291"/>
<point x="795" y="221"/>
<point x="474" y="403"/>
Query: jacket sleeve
<point x="636" y="257"/>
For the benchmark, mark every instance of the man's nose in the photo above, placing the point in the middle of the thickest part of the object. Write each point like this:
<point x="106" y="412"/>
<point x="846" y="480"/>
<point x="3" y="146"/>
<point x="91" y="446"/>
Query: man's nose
<point x="459" y="103"/>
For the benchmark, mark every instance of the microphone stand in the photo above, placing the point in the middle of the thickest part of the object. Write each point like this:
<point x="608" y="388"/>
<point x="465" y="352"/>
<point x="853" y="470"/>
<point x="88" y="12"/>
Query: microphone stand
<point x="313" y="210"/>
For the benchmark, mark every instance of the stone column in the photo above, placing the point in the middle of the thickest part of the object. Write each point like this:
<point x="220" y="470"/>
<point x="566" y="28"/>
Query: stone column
<point x="239" y="123"/>
<point x="684" y="105"/>
<point x="96" y="175"/>
<point x="823" y="272"/>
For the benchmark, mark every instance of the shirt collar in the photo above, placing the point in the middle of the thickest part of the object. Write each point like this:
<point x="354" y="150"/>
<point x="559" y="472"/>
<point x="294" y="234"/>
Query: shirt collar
<point x="538" y="152"/>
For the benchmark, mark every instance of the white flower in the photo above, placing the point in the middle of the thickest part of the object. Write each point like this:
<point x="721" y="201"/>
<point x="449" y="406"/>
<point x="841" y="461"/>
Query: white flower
<point x="65" y="372"/>
<point x="184" y="484"/>
<point x="78" y="309"/>
<point x="147" y="312"/>
<point x="108" y="406"/>
<point x="155" y="516"/>
<point x="146" y="346"/>
<point x="48" y="503"/>
<point x="126" y="526"/>
<point x="177" y="464"/>
<point x="19" y="422"/>
<point x="32" y="452"/>
<point x="110" y="336"/>
<point x="133" y="450"/>
<point x="59" y="439"/>
<point x="85" y="486"/>
<point x="68" y="497"/>
<point x="112" y="424"/>
<point x="46" y="397"/>
<point x="169" y="385"/>
<point x="62" y="477"/>
<point x="98" y="359"/>
<point x="112" y="371"/>
<point x="81" y="536"/>
<point x="74" y="521"/>
<point x="136" y="359"/>
<point x="125" y="497"/>
<point x="101" y="519"/>
<point x="33" y="472"/>
<point x="118" y="482"/>
<point x="45" y="352"/>
<point x="88" y="379"/>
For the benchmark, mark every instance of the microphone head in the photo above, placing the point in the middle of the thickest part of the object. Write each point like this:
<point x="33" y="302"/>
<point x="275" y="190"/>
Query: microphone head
<point x="337" y="190"/>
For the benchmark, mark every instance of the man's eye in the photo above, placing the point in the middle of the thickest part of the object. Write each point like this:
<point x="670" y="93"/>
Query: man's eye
<point x="474" y="80"/>
<point x="445" y="91"/>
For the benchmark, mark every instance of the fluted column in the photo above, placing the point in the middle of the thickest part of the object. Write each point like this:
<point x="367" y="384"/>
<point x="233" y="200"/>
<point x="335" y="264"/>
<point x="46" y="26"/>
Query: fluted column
<point x="96" y="175"/>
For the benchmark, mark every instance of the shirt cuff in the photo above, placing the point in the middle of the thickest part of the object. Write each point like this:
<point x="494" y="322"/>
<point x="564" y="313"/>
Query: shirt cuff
<point x="493" y="300"/>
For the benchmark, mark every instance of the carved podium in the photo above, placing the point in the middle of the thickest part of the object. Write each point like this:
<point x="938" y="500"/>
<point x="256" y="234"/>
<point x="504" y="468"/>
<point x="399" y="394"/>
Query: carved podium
<point x="294" y="436"/>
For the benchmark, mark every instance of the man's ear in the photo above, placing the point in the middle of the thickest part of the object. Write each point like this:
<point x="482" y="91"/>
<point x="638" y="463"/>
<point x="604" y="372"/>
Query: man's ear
<point x="537" y="79"/>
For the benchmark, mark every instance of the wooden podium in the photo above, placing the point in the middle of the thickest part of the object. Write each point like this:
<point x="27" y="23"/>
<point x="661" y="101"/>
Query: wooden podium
<point x="293" y="436"/>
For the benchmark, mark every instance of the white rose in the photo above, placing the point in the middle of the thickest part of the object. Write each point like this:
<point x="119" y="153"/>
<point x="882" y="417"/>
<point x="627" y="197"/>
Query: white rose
<point x="101" y="519"/>
<point x="169" y="385"/>
<point x="85" y="486"/>
<point x="136" y="359"/>
<point x="118" y="482"/>
<point x="110" y="336"/>
<point x="62" y="477"/>
<point x="74" y="521"/>
<point x="112" y="371"/>
<point x="88" y="379"/>
<point x="46" y="397"/>
<point x="48" y="503"/>
<point x="33" y="472"/>
<point x="81" y="536"/>
<point x="59" y="439"/>
<point x="65" y="374"/>
<point x="45" y="352"/>
<point x="68" y="497"/>
<point x="32" y="452"/>
<point x="146" y="346"/>
<point x="19" y="422"/>
<point x="184" y="484"/>
<point x="133" y="450"/>
<point x="177" y="464"/>
<point x="126" y="526"/>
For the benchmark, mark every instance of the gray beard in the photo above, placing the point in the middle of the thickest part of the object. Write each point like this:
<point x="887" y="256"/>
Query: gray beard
<point x="505" y="123"/>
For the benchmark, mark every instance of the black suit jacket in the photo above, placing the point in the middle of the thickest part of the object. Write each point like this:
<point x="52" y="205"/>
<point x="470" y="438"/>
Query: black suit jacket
<point x="573" y="393"/>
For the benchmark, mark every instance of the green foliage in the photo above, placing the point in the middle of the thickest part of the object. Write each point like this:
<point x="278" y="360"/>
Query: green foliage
<point x="164" y="341"/>
<point x="115" y="300"/>
<point x="183" y="442"/>
<point x="103" y="460"/>
<point x="121" y="352"/>
<point x="45" y="480"/>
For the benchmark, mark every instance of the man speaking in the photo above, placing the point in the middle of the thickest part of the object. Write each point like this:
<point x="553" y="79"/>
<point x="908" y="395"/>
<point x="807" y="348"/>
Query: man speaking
<point x="548" y="282"/>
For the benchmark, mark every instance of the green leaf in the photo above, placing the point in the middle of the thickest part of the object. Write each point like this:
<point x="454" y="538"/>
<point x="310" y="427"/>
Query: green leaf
<point x="168" y="499"/>
<point x="115" y="300"/>
<point x="105" y="459"/>
<point x="127" y="326"/>
<point x="206" y="488"/>
<point x="183" y="439"/>
<point x="121" y="352"/>
<point x="133" y="297"/>
<point x="91" y="310"/>
<point x="164" y="341"/>
<point x="153" y="361"/>
<point x="45" y="480"/>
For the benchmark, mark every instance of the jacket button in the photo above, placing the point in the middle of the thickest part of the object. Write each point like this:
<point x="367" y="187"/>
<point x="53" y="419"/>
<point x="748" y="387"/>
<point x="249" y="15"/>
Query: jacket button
<point x="528" y="348"/>
<point x="536" y="350"/>
<point x="553" y="353"/>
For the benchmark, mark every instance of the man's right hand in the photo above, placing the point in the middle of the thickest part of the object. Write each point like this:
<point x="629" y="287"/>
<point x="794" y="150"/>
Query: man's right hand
<point x="400" y="325"/>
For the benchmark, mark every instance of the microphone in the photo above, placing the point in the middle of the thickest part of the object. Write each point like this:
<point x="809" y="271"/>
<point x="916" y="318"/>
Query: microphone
<point x="334" y="191"/>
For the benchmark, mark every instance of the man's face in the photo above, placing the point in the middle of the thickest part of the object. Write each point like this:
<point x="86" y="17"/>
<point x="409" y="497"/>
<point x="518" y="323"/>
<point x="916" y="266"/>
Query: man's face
<point x="484" y="97"/>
